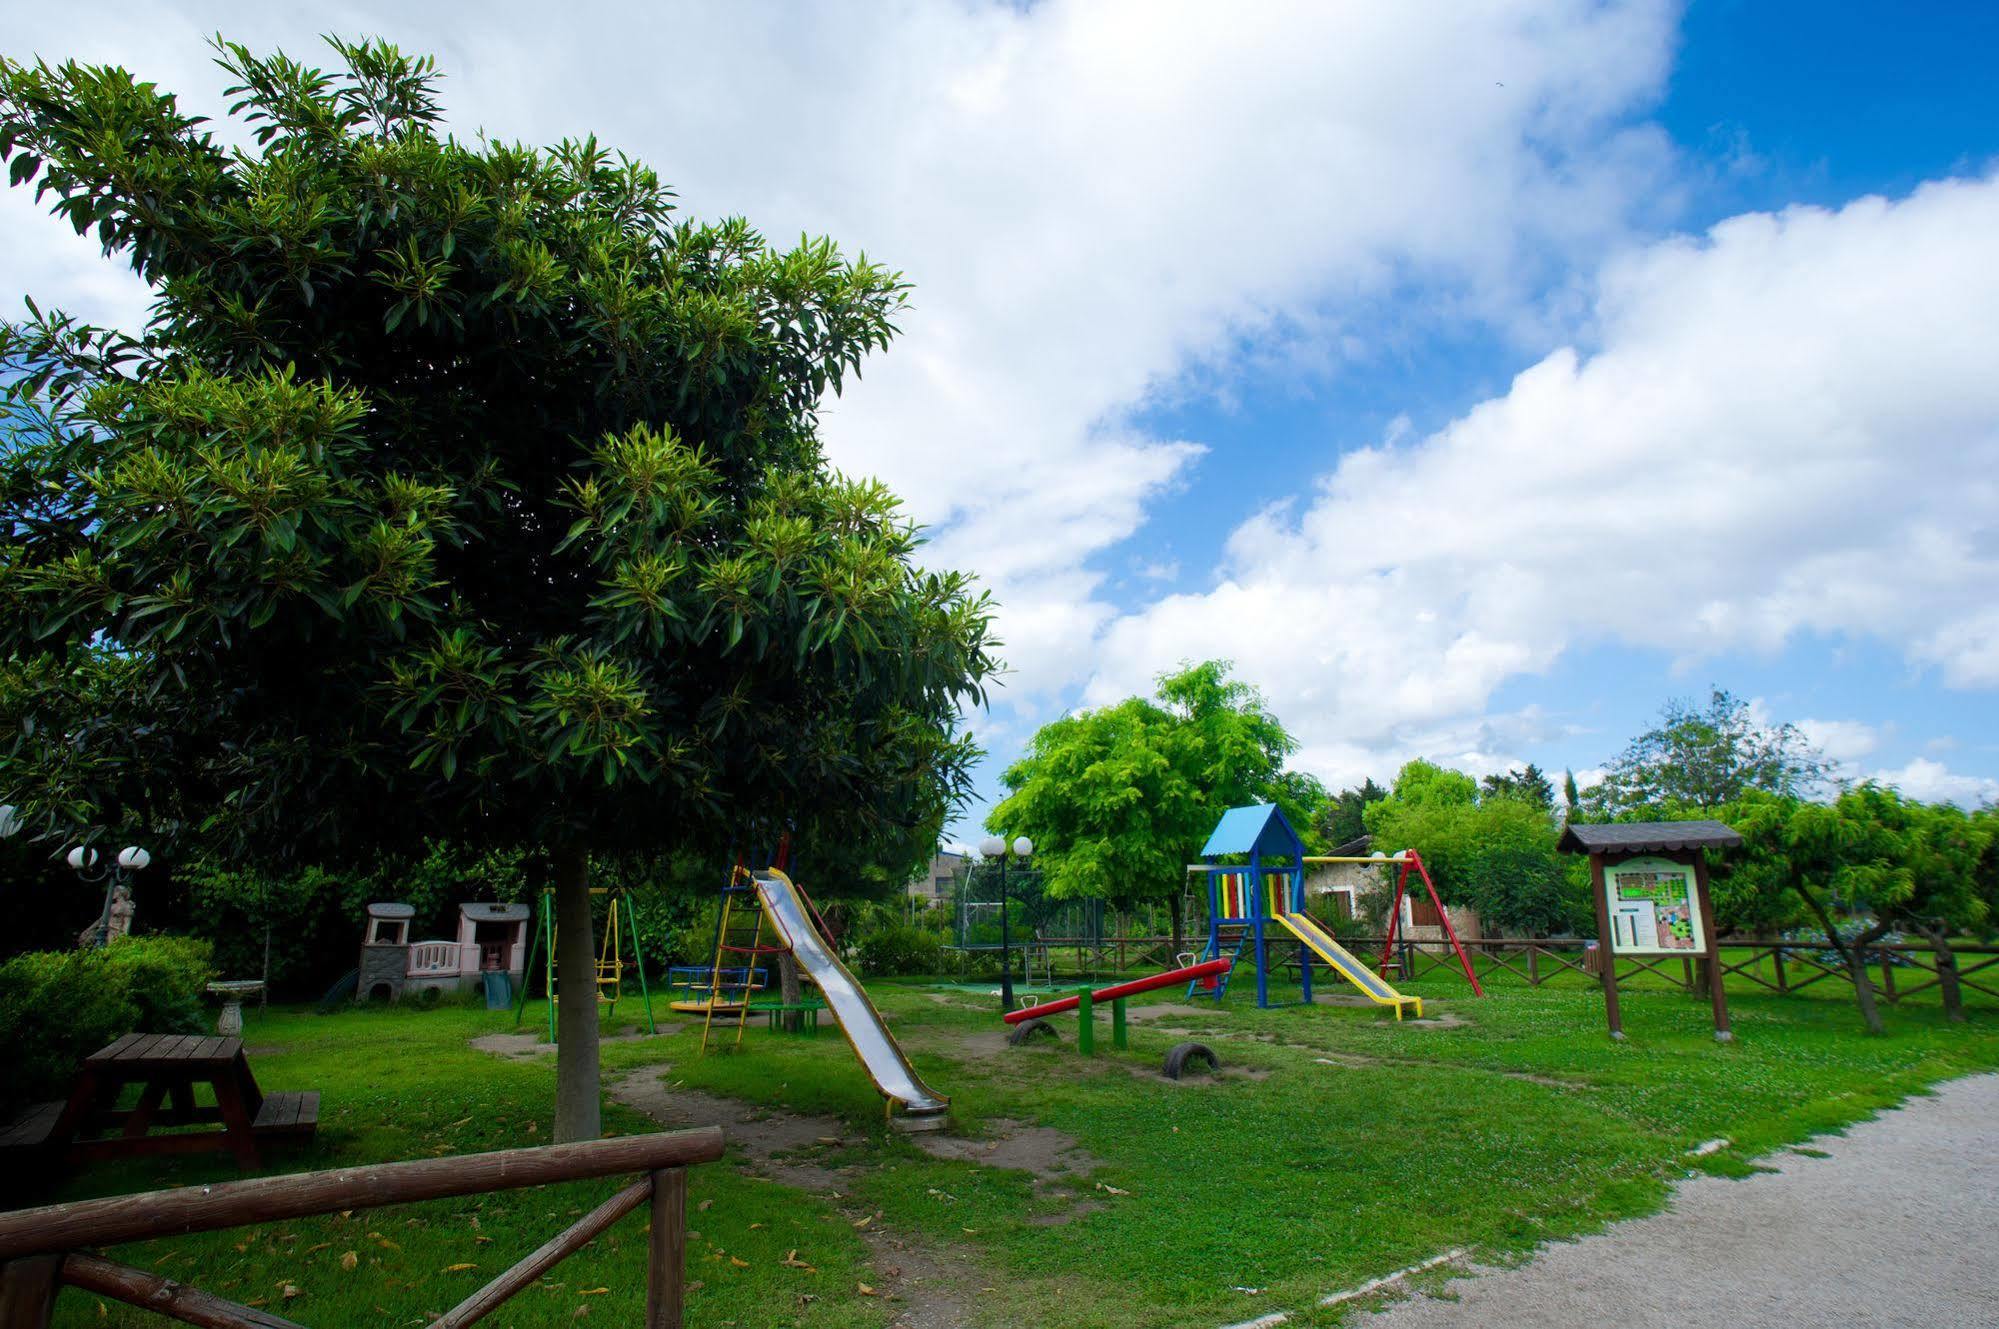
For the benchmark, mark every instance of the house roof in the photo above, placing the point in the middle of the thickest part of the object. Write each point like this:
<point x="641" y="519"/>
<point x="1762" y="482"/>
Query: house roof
<point x="1260" y="828"/>
<point x="481" y="911"/>
<point x="1647" y="837"/>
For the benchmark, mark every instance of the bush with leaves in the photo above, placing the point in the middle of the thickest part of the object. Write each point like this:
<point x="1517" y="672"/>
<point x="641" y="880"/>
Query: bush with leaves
<point x="892" y="947"/>
<point x="58" y="1007"/>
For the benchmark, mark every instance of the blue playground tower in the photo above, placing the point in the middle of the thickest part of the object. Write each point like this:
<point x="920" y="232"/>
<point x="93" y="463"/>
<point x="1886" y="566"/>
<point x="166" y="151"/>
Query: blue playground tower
<point x="1246" y="902"/>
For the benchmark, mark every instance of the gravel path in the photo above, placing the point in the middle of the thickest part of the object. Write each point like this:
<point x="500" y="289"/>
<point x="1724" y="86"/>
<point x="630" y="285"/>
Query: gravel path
<point x="1899" y="1226"/>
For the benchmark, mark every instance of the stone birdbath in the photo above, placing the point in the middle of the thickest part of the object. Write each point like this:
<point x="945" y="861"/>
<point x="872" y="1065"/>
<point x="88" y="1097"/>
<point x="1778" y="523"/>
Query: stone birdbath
<point x="233" y="992"/>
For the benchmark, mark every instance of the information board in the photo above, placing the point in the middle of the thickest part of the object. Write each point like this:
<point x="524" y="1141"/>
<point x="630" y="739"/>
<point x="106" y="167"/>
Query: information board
<point x="1653" y="908"/>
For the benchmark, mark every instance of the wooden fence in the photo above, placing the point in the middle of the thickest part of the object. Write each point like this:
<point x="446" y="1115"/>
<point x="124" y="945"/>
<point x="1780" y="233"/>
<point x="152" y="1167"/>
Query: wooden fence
<point x="43" y="1250"/>
<point x="1778" y="965"/>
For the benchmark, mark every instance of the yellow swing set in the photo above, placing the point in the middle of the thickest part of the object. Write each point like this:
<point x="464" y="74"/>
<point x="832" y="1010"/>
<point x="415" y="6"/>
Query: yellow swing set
<point x="610" y="964"/>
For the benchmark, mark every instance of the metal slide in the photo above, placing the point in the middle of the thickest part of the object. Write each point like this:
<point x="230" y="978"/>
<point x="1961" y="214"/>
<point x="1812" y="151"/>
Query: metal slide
<point x="1344" y="963"/>
<point x="862" y="1024"/>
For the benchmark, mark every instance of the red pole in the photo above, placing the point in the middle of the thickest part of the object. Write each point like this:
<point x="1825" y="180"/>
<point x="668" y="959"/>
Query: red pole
<point x="1130" y="989"/>
<point x="1444" y="915"/>
<point x="1394" y="920"/>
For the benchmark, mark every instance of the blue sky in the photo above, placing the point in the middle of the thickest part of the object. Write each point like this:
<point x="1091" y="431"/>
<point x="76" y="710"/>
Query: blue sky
<point x="1476" y="384"/>
<point x="1768" y="105"/>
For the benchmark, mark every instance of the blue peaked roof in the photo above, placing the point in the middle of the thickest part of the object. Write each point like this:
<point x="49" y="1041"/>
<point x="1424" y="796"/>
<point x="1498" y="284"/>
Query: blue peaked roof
<point x="1258" y="829"/>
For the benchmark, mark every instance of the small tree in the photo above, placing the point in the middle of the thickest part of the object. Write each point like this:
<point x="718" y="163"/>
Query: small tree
<point x="1343" y="818"/>
<point x="1949" y="855"/>
<point x="1701" y="759"/>
<point x="456" y="489"/>
<point x="1850" y="857"/>
<point x="1529" y="784"/>
<point x="1496" y="853"/>
<point x="1118" y="800"/>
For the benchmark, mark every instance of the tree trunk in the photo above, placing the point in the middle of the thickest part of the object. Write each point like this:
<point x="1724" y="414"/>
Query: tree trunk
<point x="1855" y="959"/>
<point x="578" y="1105"/>
<point x="789" y="989"/>
<point x="1176" y="905"/>
<point x="1947" y="985"/>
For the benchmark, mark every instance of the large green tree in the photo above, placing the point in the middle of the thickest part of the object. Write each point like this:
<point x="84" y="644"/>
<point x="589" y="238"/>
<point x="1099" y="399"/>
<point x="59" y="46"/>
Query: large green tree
<point x="1118" y="800"/>
<point x="456" y="488"/>
<point x="1698" y="758"/>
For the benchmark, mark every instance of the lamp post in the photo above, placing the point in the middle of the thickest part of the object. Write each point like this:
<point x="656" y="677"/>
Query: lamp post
<point x="84" y="859"/>
<point x="996" y="847"/>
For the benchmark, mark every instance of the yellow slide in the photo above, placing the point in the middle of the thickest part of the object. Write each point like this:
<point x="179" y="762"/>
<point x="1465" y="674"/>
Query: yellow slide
<point x="1346" y="965"/>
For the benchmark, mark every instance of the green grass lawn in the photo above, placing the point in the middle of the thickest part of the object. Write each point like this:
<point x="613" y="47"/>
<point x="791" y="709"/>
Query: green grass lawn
<point x="1345" y="1146"/>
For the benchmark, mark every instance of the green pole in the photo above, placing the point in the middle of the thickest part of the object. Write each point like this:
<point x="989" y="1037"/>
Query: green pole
<point x="1086" y="1023"/>
<point x="1117" y="1023"/>
<point x="527" y="969"/>
<point x="548" y="957"/>
<point x="639" y="954"/>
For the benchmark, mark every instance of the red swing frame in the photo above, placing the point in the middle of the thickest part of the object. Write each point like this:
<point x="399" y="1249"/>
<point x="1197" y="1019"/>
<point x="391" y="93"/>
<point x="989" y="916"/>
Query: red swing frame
<point x="1412" y="860"/>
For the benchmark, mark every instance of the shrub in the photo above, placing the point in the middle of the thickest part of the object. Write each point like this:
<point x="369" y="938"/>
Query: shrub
<point x="58" y="1007"/>
<point x="898" y="948"/>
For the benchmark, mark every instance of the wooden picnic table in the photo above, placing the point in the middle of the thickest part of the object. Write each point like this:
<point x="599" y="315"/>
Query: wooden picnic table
<point x="166" y="1067"/>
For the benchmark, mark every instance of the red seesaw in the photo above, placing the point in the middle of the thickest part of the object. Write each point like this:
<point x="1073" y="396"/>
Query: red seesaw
<point x="1120" y="990"/>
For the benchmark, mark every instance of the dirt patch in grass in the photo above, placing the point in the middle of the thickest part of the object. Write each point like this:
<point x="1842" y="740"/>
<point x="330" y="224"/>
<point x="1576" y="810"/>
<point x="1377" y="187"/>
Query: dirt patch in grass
<point x="984" y="1043"/>
<point x="776" y="1142"/>
<point x="932" y="1287"/>
<point x="530" y="1045"/>
<point x="1049" y="1154"/>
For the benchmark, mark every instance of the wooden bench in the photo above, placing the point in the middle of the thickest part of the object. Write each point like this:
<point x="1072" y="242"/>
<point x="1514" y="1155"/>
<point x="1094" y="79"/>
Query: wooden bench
<point x="166" y="1068"/>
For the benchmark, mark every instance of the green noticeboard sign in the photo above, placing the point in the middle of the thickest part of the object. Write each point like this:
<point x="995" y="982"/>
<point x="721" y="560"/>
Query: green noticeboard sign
<point x="1653" y="908"/>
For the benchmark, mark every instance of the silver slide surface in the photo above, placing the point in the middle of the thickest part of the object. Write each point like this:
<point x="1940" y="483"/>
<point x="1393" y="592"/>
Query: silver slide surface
<point x="862" y="1024"/>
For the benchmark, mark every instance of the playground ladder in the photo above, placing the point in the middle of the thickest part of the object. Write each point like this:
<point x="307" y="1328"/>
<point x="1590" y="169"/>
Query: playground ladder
<point x="738" y="936"/>
<point x="1213" y="951"/>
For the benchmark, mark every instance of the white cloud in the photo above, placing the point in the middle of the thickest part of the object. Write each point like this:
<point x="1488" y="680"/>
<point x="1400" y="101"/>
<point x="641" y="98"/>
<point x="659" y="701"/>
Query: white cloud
<point x="1933" y="782"/>
<point x="1844" y="741"/>
<point x="1791" y="424"/>
<point x="1092" y="196"/>
<point x="42" y="258"/>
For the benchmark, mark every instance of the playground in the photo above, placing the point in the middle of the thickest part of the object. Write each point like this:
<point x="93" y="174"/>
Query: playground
<point x="1333" y="1146"/>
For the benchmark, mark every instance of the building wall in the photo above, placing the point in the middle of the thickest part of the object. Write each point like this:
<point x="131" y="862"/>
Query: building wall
<point x="936" y="883"/>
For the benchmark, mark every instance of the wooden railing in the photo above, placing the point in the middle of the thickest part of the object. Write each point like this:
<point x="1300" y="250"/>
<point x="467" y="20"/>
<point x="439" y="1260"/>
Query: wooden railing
<point x="43" y="1250"/>
<point x="1778" y="964"/>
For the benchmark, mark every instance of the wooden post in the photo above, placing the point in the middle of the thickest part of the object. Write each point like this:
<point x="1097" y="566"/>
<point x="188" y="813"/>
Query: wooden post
<point x="1534" y="964"/>
<point x="666" y="1273"/>
<point x="1717" y="994"/>
<point x="1777" y="957"/>
<point x="1607" y="956"/>
<point x="28" y="1291"/>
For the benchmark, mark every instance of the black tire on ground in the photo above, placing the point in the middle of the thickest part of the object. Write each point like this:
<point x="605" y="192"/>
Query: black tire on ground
<point x="1184" y="1053"/>
<point x="1027" y="1029"/>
